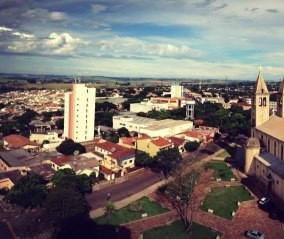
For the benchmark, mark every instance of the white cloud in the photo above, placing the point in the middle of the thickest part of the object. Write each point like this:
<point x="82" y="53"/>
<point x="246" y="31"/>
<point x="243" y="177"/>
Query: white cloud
<point x="97" y="8"/>
<point x="5" y="29"/>
<point x="23" y="35"/>
<point x="54" y="44"/>
<point x="132" y="47"/>
<point x="58" y="16"/>
<point x="62" y="43"/>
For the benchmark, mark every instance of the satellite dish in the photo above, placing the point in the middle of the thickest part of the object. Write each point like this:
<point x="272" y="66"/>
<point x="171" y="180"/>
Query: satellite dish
<point x="76" y="152"/>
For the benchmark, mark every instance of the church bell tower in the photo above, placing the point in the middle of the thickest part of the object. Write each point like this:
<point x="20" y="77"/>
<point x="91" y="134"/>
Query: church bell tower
<point x="260" y="102"/>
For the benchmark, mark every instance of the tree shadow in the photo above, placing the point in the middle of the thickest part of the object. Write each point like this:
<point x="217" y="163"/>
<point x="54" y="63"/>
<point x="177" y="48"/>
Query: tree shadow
<point x="85" y="227"/>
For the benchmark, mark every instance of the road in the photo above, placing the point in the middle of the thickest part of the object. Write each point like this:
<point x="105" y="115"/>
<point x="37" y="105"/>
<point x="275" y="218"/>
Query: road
<point x="134" y="184"/>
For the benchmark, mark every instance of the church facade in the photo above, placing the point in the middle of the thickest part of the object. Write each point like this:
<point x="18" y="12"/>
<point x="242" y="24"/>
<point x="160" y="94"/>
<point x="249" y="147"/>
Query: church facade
<point x="264" y="151"/>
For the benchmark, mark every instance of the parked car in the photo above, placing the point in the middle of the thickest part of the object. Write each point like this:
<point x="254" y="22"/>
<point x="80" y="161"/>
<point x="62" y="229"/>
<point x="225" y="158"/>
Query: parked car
<point x="254" y="234"/>
<point x="265" y="203"/>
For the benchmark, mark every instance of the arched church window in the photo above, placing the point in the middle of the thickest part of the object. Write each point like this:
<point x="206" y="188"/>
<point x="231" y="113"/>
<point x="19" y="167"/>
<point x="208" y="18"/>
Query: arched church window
<point x="260" y="101"/>
<point x="264" y="101"/>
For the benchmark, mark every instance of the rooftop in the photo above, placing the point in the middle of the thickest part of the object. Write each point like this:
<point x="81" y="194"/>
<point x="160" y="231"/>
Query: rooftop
<point x="273" y="127"/>
<point x="272" y="162"/>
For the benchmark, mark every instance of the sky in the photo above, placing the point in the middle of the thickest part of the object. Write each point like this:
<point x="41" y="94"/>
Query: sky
<point x="216" y="39"/>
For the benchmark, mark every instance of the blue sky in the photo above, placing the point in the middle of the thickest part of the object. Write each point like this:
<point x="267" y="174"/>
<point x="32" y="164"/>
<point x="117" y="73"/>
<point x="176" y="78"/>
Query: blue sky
<point x="143" y="38"/>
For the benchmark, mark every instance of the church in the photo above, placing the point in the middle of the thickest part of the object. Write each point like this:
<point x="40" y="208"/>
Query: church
<point x="264" y="151"/>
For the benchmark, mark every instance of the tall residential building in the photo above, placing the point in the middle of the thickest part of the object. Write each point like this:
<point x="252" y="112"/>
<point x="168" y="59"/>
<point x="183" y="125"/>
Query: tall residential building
<point x="79" y="113"/>
<point x="176" y="90"/>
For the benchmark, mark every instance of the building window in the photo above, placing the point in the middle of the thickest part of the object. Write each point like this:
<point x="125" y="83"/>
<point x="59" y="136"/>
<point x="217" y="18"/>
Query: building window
<point x="264" y="101"/>
<point x="275" y="149"/>
<point x="277" y="182"/>
<point x="131" y="161"/>
<point x="260" y="101"/>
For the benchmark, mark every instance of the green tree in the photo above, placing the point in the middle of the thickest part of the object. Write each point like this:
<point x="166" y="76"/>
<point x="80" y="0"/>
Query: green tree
<point x="105" y="106"/>
<point x="143" y="159"/>
<point x="109" y="210"/>
<point x="60" y="124"/>
<point x="191" y="146"/>
<point x="113" y="137"/>
<point x="179" y="194"/>
<point x="69" y="147"/>
<point x="63" y="203"/>
<point x="29" y="192"/>
<point x="67" y="178"/>
<point x="123" y="132"/>
<point x="167" y="160"/>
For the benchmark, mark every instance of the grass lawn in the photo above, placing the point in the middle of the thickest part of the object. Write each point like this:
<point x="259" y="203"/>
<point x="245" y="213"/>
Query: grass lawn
<point x="225" y="154"/>
<point x="221" y="170"/>
<point x="123" y="215"/>
<point x="176" y="231"/>
<point x="224" y="200"/>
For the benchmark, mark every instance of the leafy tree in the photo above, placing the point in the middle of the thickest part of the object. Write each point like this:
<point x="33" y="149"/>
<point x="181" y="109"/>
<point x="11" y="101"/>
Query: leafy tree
<point x="29" y="192"/>
<point x="104" y="118"/>
<point x="105" y="106"/>
<point x="68" y="147"/>
<point x="126" y="104"/>
<point x="113" y="137"/>
<point x="109" y="210"/>
<point x="123" y="132"/>
<point x="168" y="160"/>
<point x="179" y="194"/>
<point x="60" y="124"/>
<point x="63" y="203"/>
<point x="191" y="146"/>
<point x="143" y="159"/>
<point x="67" y="178"/>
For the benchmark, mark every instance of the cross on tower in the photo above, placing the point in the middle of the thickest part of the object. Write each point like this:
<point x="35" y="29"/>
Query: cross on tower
<point x="260" y="68"/>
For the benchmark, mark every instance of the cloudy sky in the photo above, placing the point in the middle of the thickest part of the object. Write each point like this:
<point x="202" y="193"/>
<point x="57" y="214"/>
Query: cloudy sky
<point x="143" y="38"/>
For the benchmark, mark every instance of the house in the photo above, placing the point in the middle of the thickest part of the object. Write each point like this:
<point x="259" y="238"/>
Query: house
<point x="9" y="178"/>
<point x="116" y="158"/>
<point x="81" y="164"/>
<point x="45" y="170"/>
<point x="178" y="143"/>
<point x="84" y="164"/>
<point x="40" y="126"/>
<point x="14" y="159"/>
<point x="15" y="141"/>
<point x="153" y="145"/>
<point x="48" y="139"/>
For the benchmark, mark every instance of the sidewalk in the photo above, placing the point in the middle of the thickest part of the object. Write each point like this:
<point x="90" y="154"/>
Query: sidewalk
<point x="124" y="202"/>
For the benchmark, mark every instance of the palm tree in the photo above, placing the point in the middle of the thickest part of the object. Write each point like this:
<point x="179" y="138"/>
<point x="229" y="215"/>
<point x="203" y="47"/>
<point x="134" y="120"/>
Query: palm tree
<point x="109" y="210"/>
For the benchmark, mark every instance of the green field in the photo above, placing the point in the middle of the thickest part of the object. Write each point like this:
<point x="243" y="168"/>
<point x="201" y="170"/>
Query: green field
<point x="176" y="231"/>
<point x="223" y="201"/>
<point x="221" y="170"/>
<point x="123" y="215"/>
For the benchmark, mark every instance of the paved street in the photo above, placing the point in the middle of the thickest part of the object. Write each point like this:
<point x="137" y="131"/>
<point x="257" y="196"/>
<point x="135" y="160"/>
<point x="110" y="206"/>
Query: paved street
<point x="134" y="184"/>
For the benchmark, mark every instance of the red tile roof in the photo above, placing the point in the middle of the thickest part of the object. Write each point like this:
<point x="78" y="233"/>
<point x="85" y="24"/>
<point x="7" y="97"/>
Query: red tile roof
<point x="123" y="154"/>
<point x="129" y="141"/>
<point x="105" y="170"/>
<point x="61" y="160"/>
<point x="110" y="146"/>
<point x="193" y="134"/>
<point x="18" y="141"/>
<point x="177" y="141"/>
<point x="161" y="142"/>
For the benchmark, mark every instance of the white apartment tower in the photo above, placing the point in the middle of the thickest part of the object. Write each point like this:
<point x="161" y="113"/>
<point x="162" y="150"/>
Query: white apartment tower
<point x="176" y="90"/>
<point x="79" y="113"/>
